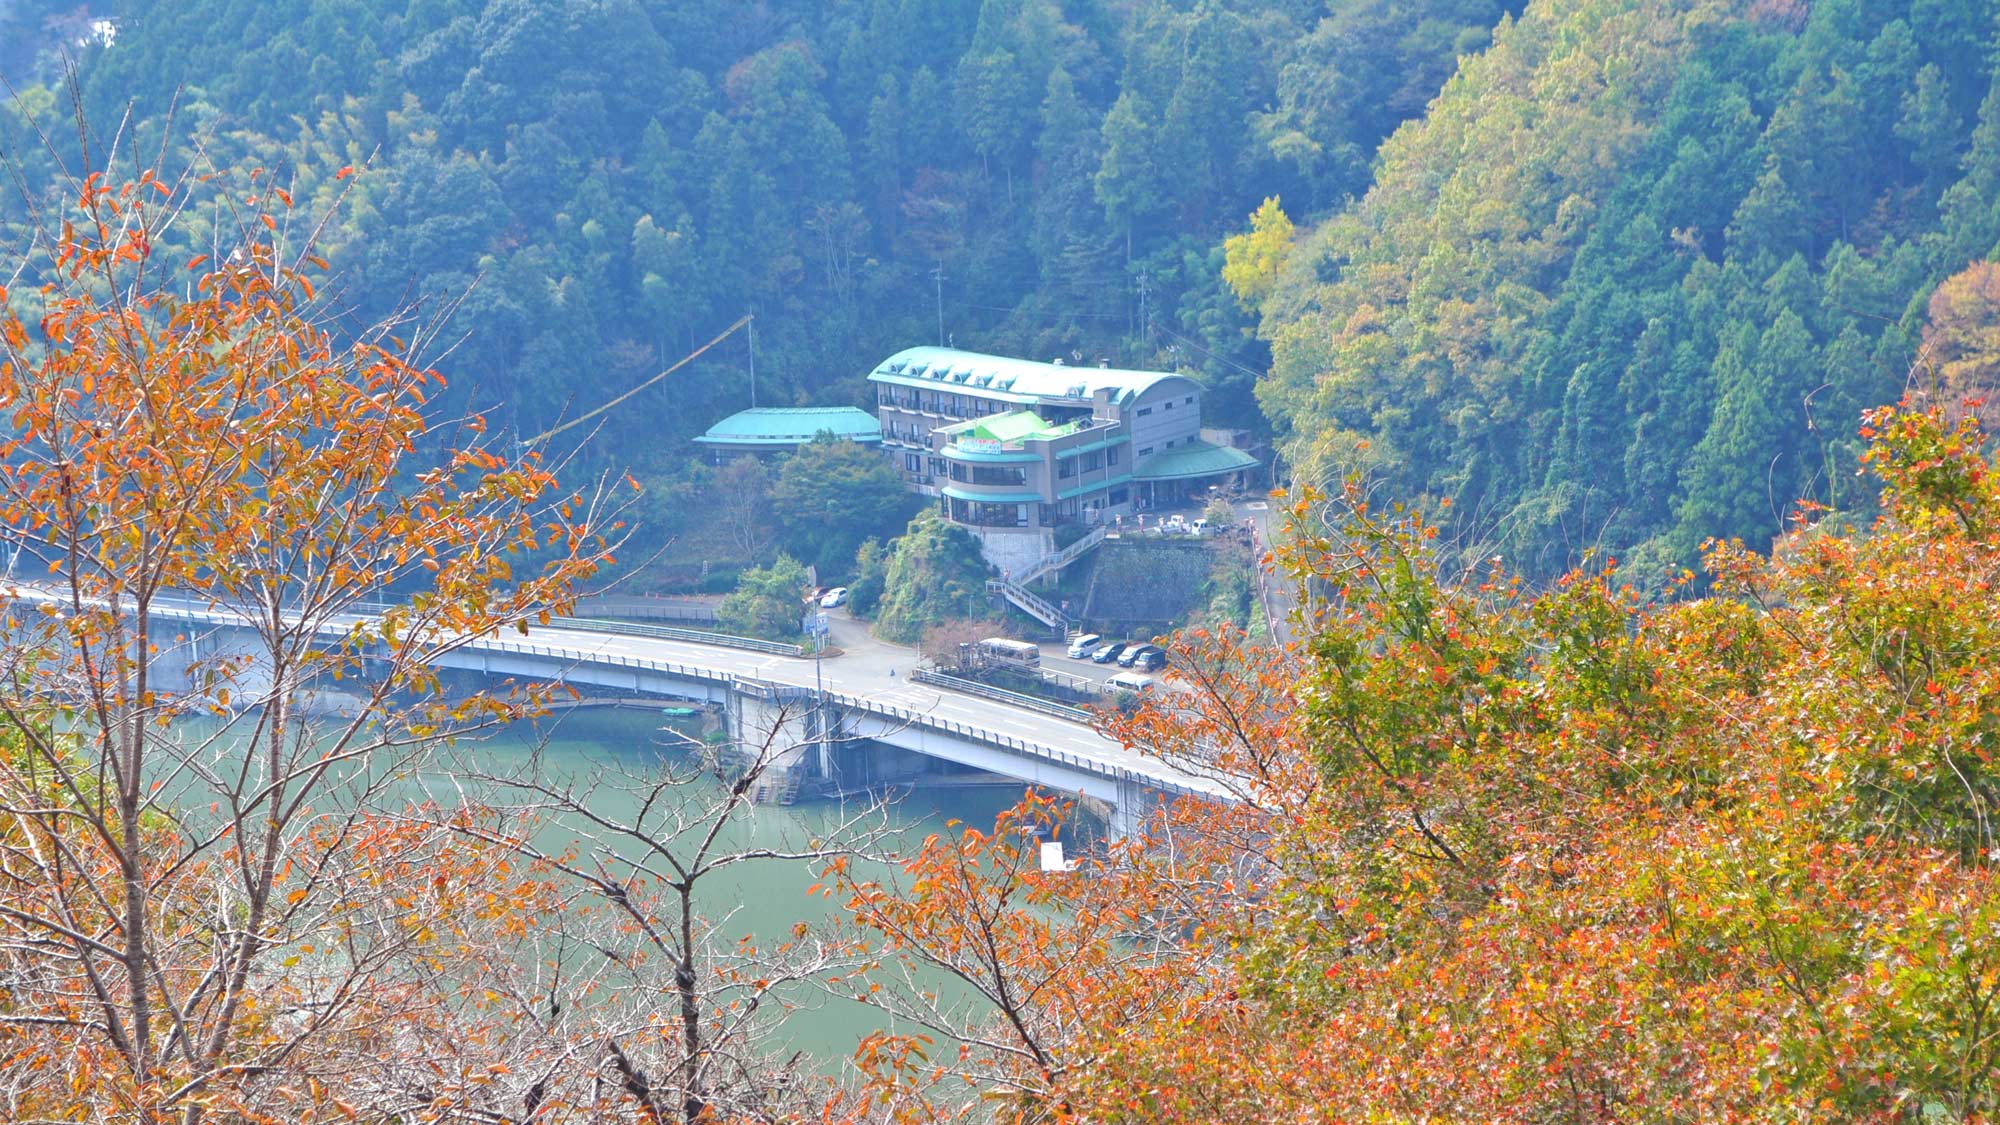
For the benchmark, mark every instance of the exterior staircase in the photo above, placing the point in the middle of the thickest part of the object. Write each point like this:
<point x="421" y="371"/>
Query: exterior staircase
<point x="1039" y="608"/>
<point x="1015" y="587"/>
<point x="1049" y="564"/>
<point x="779" y="784"/>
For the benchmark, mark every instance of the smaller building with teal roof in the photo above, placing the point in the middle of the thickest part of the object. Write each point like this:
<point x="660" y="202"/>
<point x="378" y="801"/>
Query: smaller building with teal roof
<point x="764" y="430"/>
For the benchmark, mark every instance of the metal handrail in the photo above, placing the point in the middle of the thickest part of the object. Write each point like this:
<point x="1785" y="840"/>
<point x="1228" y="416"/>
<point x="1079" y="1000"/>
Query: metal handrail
<point x="1000" y="694"/>
<point x="671" y="633"/>
<point x="646" y="607"/>
<point x="1064" y="557"/>
<point x="1038" y="607"/>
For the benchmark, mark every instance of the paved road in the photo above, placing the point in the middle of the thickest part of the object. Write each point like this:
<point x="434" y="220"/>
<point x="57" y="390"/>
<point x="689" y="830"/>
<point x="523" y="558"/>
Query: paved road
<point x="1279" y="596"/>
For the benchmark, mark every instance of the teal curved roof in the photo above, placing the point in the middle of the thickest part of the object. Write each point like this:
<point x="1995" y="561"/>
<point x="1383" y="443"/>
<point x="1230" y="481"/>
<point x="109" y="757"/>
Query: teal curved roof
<point x="984" y="494"/>
<point x="1195" y="459"/>
<point x="1093" y="486"/>
<point x="1013" y="380"/>
<point x="955" y="452"/>
<point x="792" y="425"/>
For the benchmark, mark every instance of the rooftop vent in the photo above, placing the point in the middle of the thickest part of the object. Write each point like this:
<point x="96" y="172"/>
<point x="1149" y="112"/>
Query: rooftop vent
<point x="1057" y="361"/>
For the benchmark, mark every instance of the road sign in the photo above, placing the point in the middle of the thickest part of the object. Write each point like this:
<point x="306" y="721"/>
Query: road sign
<point x="815" y="625"/>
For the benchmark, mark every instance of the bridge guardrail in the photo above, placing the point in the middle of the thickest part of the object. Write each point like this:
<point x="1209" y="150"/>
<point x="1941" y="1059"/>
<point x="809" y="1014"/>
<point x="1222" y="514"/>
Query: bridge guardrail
<point x="670" y="633"/>
<point x="646" y="607"/>
<point x="988" y="691"/>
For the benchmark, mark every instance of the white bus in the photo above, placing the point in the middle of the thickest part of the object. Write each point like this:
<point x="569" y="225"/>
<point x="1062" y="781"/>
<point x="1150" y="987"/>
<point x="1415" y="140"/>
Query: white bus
<point x="1012" y="654"/>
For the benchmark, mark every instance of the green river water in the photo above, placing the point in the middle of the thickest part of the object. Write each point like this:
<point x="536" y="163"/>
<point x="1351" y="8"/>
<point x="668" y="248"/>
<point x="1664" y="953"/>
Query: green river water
<point x="762" y="900"/>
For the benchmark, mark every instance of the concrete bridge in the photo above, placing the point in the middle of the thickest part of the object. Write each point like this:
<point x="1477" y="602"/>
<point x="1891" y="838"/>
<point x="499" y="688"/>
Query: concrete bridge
<point x="830" y="716"/>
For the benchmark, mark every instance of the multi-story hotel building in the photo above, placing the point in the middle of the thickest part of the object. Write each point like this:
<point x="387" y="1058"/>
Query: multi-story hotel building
<point x="1012" y="445"/>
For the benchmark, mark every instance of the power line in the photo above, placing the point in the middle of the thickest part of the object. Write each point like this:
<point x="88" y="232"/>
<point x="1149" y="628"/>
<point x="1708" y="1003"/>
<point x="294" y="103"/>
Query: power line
<point x="683" y="362"/>
<point x="1250" y="371"/>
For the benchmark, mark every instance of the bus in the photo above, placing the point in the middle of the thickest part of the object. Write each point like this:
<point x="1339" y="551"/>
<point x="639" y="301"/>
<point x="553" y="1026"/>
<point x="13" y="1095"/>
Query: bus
<point x="1010" y="654"/>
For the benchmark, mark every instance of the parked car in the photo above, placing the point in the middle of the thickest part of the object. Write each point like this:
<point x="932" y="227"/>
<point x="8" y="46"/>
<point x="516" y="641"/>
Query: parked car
<point x="1082" y="646"/>
<point x="834" y="598"/>
<point x="1105" y="654"/>
<point x="1131" y="655"/>
<point x="1198" y="528"/>
<point x="1151" y="660"/>
<point x="1129" y="681"/>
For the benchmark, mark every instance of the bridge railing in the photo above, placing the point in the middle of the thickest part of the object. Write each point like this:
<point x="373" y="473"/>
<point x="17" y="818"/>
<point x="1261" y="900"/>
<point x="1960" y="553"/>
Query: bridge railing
<point x="646" y="607"/>
<point x="670" y="633"/>
<point x="1002" y="695"/>
<point x="594" y="624"/>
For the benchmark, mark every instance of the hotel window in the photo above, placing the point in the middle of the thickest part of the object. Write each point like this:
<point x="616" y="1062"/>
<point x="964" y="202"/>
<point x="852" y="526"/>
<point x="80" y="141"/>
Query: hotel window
<point x="1111" y="456"/>
<point x="913" y="463"/>
<point x="1067" y="469"/>
<point x="1146" y="452"/>
<point x="1168" y="406"/>
<point x="1145" y="410"/>
<point x="1190" y="400"/>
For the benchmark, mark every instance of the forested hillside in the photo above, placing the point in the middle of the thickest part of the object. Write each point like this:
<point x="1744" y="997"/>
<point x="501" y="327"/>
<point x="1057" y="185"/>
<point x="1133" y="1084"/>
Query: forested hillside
<point x="1625" y="276"/>
<point x="1633" y="278"/>
<point x="584" y="191"/>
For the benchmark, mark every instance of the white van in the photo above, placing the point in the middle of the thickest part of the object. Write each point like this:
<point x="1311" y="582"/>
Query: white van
<point x="1129" y="681"/>
<point x="1081" y="647"/>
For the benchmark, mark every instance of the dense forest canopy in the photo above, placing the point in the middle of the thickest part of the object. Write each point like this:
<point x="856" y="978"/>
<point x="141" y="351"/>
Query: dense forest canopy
<point x="1634" y="276"/>
<point x="582" y="192"/>
<point x="1597" y="273"/>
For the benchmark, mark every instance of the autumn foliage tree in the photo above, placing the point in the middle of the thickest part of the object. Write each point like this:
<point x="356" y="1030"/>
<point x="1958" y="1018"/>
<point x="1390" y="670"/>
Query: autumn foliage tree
<point x="1506" y="854"/>
<point x="209" y="910"/>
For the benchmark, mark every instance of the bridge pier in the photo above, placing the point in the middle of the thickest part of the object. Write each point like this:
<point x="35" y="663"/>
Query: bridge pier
<point x="1135" y="805"/>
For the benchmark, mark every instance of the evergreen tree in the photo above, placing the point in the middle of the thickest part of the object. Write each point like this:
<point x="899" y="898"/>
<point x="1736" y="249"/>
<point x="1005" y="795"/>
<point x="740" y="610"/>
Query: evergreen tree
<point x="935" y="574"/>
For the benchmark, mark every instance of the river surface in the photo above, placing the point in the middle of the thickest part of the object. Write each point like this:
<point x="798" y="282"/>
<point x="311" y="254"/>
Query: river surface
<point x="762" y="900"/>
<point x="622" y="746"/>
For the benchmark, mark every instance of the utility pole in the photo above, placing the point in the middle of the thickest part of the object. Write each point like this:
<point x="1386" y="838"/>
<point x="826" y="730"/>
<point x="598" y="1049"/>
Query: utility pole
<point x="937" y="275"/>
<point x="1145" y="308"/>
<point x="752" y="318"/>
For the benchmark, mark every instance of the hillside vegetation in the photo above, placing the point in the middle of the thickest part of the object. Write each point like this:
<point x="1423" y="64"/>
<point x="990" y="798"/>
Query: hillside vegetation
<point x="1622" y="273"/>
<point x="1634" y="276"/>
<point x="578" y="193"/>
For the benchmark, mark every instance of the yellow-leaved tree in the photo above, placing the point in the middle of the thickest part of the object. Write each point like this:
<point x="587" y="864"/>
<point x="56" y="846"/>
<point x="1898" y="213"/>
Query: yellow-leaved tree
<point x="1253" y="259"/>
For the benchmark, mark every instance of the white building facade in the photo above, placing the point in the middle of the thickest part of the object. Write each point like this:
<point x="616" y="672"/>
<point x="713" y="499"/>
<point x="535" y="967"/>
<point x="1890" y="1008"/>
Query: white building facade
<point x="1014" y="448"/>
